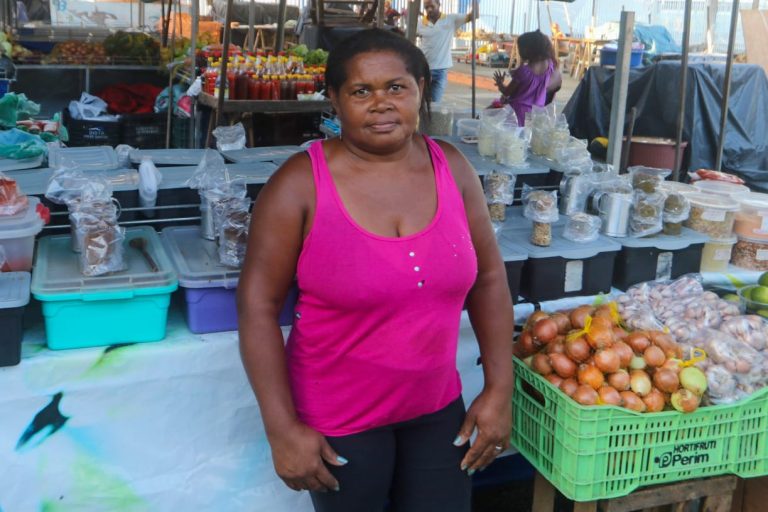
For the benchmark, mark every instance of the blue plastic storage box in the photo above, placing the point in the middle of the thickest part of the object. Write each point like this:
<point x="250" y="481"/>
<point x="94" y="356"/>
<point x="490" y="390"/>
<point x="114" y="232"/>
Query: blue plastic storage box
<point x="122" y="307"/>
<point x="608" y="56"/>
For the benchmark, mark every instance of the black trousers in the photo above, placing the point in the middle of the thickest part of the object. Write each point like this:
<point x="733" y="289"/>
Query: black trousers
<point x="411" y="466"/>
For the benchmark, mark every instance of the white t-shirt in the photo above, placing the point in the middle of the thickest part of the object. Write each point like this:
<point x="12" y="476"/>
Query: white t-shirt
<point x="436" y="38"/>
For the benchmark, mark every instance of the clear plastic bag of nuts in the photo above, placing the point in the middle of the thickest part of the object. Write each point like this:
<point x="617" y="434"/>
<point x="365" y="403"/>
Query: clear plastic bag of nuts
<point x="541" y="208"/>
<point x="499" y="193"/>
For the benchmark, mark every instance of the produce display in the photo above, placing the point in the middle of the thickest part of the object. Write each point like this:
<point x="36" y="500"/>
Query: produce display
<point x="590" y="357"/>
<point x="77" y="52"/>
<point x="132" y="47"/>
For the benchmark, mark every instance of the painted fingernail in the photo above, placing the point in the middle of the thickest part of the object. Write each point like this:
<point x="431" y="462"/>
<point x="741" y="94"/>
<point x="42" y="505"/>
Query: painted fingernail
<point x="341" y="459"/>
<point x="471" y="472"/>
<point x="457" y="441"/>
<point x="463" y="467"/>
<point x="337" y="488"/>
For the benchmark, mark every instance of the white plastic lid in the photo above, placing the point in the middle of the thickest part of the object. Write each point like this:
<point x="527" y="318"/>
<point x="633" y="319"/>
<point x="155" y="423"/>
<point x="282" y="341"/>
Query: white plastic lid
<point x="723" y="241"/>
<point x="22" y="225"/>
<point x="676" y="186"/>
<point x="197" y="259"/>
<point x="14" y="289"/>
<point x="722" y="188"/>
<point x="754" y="201"/>
<point x="712" y="202"/>
<point x="753" y="240"/>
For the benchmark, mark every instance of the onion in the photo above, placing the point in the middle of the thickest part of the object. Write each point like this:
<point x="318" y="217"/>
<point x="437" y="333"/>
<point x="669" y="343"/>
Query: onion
<point x="640" y="382"/>
<point x="569" y="386"/>
<point x="607" y="360"/>
<point x="562" y="321"/>
<point x="600" y="336"/>
<point x="585" y="395"/>
<point x="619" y="333"/>
<point x="694" y="380"/>
<point x="544" y="330"/>
<point x="654" y="401"/>
<point x="666" y="343"/>
<point x="654" y="356"/>
<point x="525" y="340"/>
<point x="632" y="401"/>
<point x="554" y="379"/>
<point x="684" y="400"/>
<point x="619" y="380"/>
<point x="603" y="311"/>
<point x="666" y="380"/>
<point x="673" y="364"/>
<point x="534" y="318"/>
<point x="637" y="363"/>
<point x="555" y="347"/>
<point x="540" y="364"/>
<point x="609" y="395"/>
<point x="625" y="353"/>
<point x="638" y="341"/>
<point x="591" y="376"/>
<point x="579" y="315"/>
<point x="578" y="349"/>
<point x="562" y="365"/>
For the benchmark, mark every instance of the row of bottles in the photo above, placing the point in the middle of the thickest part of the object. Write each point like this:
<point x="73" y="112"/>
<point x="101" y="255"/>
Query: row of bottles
<point x="263" y="78"/>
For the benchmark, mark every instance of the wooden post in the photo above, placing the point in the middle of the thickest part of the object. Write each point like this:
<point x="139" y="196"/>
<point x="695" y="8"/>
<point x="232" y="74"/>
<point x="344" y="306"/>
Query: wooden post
<point x="620" y="86"/>
<point x="250" y="41"/>
<point x="380" y="14"/>
<point x="414" y="9"/>
<point x="683" y="89"/>
<point x="280" y="36"/>
<point x="727" y="85"/>
<point x="223" y="68"/>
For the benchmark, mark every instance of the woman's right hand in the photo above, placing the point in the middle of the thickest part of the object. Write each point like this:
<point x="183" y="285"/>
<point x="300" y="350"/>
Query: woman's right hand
<point x="298" y="453"/>
<point x="498" y="78"/>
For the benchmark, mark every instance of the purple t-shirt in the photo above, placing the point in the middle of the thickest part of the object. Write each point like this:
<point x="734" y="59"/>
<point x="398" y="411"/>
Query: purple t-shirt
<point x="531" y="90"/>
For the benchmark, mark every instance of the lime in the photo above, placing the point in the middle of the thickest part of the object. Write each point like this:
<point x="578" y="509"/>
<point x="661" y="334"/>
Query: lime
<point x="746" y="292"/>
<point x="731" y="297"/>
<point x="759" y="294"/>
<point x="763" y="281"/>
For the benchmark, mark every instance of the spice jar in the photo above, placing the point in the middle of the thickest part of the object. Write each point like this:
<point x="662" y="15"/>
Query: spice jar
<point x="541" y="234"/>
<point x="499" y="189"/>
<point x="750" y="253"/>
<point x="716" y="254"/>
<point x="752" y="218"/>
<point x="541" y="208"/>
<point x="712" y="215"/>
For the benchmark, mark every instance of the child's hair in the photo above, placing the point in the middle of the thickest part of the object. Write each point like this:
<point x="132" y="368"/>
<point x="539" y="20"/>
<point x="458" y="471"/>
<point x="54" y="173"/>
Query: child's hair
<point x="377" y="40"/>
<point x="535" y="47"/>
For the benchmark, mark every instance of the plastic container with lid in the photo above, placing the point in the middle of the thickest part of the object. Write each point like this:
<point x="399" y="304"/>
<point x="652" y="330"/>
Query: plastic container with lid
<point x="722" y="188"/>
<point x="123" y="307"/>
<point x="564" y="268"/>
<point x="657" y="257"/>
<point x="751" y="253"/>
<point x="712" y="215"/>
<point x="716" y="254"/>
<point x="467" y="127"/>
<point x="14" y="297"/>
<point x="209" y="287"/>
<point x="676" y="186"/>
<point x="514" y="257"/>
<point x="752" y="218"/>
<point x="17" y="235"/>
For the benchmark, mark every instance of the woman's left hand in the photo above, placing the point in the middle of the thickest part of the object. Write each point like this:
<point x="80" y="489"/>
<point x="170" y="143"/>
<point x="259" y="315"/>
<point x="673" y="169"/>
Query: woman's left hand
<point x="491" y="414"/>
<point x="498" y="78"/>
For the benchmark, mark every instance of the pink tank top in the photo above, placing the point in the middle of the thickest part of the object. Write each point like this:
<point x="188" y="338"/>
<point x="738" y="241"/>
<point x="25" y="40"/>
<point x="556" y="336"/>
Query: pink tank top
<point x="376" y="327"/>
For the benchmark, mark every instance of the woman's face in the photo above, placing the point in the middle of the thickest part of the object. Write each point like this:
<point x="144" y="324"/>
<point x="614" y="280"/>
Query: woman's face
<point x="378" y="105"/>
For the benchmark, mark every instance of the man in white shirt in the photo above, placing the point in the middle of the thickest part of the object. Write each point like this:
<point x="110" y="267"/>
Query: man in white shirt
<point x="436" y="30"/>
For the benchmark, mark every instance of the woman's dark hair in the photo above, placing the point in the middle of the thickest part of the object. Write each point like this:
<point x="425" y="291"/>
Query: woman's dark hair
<point x="535" y="47"/>
<point x="377" y="40"/>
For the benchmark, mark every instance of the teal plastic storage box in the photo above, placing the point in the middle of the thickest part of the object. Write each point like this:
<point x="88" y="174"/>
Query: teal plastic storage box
<point x="123" y="307"/>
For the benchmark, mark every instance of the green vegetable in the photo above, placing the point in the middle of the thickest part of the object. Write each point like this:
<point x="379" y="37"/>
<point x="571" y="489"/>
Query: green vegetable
<point x="316" y="57"/>
<point x="300" y="50"/>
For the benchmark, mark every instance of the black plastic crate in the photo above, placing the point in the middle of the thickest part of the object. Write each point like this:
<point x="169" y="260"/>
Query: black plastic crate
<point x="91" y="133"/>
<point x="180" y="132"/>
<point x="144" y="131"/>
<point x="565" y="268"/>
<point x="514" y="258"/>
<point x="11" y="325"/>
<point x="659" y="257"/>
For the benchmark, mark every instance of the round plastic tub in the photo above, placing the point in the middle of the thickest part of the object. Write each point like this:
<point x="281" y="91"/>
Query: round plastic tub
<point x="721" y="188"/>
<point x="17" y="236"/>
<point x="751" y="253"/>
<point x="716" y="254"/>
<point x="467" y="127"/>
<point x="712" y="215"/>
<point x="752" y="218"/>
<point x="747" y="304"/>
<point x="676" y="186"/>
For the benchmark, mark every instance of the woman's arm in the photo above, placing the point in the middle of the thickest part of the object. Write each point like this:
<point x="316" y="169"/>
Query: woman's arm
<point x="505" y="90"/>
<point x="555" y="83"/>
<point x="489" y="305"/>
<point x="274" y="242"/>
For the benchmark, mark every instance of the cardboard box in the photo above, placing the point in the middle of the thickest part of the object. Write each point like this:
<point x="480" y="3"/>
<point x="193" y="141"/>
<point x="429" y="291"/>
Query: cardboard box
<point x="751" y="495"/>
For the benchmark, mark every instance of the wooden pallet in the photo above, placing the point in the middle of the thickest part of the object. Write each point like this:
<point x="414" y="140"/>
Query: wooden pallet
<point x="700" y="495"/>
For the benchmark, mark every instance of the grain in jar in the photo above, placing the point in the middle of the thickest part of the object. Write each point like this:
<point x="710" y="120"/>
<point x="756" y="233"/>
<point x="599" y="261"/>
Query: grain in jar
<point x="750" y="253"/>
<point x="752" y="217"/>
<point x="716" y="254"/>
<point x="712" y="215"/>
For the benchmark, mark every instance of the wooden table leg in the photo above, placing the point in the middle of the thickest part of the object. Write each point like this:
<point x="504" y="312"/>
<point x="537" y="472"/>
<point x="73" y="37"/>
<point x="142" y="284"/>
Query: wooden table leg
<point x="584" y="506"/>
<point x="543" y="495"/>
<point x="721" y="503"/>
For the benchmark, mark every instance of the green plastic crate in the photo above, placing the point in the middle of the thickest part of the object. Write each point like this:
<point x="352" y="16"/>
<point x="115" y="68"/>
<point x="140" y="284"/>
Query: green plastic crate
<point x="600" y="452"/>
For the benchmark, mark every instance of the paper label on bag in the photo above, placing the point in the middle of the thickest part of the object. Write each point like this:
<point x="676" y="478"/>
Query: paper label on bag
<point x="664" y="266"/>
<point x="722" y="255"/>
<point x="763" y="222"/>
<point x="761" y="255"/>
<point x="713" y="215"/>
<point x="574" y="276"/>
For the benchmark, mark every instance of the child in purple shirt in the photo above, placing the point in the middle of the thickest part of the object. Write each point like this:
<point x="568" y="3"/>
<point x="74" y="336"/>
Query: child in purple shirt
<point x="536" y="81"/>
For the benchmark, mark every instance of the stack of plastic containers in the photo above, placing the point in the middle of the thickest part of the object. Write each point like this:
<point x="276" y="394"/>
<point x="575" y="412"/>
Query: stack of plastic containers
<point x="17" y="235"/>
<point x="714" y="215"/>
<point x="14" y="297"/>
<point x="209" y="287"/>
<point x="123" y="307"/>
<point x="751" y="228"/>
<point x="564" y="268"/>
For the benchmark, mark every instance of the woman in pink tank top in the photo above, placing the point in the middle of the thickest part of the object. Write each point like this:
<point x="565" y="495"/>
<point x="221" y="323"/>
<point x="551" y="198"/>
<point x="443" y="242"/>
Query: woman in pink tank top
<point x="387" y="235"/>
